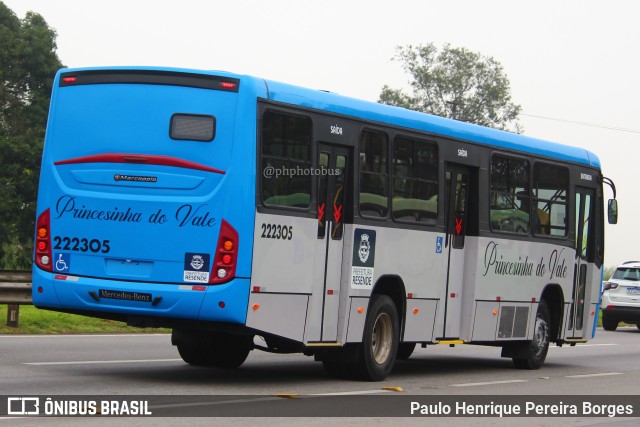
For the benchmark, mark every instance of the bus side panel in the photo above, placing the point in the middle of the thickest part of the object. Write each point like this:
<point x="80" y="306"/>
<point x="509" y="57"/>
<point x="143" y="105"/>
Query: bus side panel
<point x="279" y="314"/>
<point x="412" y="256"/>
<point x="514" y="273"/>
<point x="282" y="274"/>
<point x="283" y="253"/>
<point x="420" y="320"/>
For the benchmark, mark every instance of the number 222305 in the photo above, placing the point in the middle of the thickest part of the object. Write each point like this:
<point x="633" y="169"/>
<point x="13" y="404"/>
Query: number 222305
<point x="277" y="231"/>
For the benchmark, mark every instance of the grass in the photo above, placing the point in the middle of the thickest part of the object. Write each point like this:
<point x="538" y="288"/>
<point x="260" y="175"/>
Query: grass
<point x="35" y="321"/>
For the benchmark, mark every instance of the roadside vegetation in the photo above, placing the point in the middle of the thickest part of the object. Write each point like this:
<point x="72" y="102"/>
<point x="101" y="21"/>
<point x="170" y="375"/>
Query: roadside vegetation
<point x="36" y="321"/>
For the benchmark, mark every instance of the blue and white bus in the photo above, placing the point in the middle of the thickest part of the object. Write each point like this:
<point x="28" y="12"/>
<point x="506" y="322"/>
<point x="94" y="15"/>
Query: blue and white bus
<point x="250" y="214"/>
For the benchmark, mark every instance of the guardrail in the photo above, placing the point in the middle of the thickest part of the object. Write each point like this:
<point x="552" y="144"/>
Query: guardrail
<point x="15" y="290"/>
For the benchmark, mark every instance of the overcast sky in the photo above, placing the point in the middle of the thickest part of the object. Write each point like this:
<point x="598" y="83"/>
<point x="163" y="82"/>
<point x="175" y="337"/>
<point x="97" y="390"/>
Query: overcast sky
<point x="574" y="65"/>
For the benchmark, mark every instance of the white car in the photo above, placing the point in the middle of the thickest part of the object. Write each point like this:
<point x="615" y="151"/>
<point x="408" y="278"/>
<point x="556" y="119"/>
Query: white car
<point x="621" y="297"/>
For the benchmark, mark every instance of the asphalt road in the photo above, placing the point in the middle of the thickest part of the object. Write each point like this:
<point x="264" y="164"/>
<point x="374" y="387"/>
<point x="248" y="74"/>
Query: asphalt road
<point x="116" y="365"/>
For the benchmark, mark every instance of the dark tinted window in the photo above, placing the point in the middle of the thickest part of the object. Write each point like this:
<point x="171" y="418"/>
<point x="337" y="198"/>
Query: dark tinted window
<point x="415" y="180"/>
<point x="550" y="190"/>
<point x="192" y="127"/>
<point x="510" y="198"/>
<point x="286" y="160"/>
<point x="374" y="200"/>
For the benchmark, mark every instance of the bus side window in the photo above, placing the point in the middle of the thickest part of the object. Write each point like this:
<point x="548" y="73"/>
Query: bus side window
<point x="550" y="191"/>
<point x="510" y="197"/>
<point x="374" y="200"/>
<point x="286" y="152"/>
<point x="415" y="180"/>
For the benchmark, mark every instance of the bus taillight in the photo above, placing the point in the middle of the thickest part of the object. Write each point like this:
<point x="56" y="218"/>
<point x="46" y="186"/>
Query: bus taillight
<point x="224" y="264"/>
<point x="43" y="242"/>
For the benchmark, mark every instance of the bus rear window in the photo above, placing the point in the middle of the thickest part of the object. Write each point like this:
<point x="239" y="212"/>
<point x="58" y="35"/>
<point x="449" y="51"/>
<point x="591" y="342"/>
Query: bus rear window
<point x="192" y="127"/>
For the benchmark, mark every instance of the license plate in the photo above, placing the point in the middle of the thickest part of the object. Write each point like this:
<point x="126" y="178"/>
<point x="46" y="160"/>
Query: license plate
<point x="633" y="291"/>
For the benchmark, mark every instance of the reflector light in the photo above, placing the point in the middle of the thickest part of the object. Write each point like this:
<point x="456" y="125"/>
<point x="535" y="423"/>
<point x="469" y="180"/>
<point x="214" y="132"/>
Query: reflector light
<point x="256" y="289"/>
<point x="255" y="306"/>
<point x="360" y="310"/>
<point x="40" y="290"/>
<point x="416" y="310"/>
<point x="329" y="291"/>
<point x="221" y="304"/>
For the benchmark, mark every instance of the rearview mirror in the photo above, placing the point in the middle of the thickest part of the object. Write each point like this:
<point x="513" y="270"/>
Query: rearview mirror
<point x="612" y="212"/>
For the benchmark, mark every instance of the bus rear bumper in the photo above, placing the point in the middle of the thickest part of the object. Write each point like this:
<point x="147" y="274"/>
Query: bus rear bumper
<point x="220" y="303"/>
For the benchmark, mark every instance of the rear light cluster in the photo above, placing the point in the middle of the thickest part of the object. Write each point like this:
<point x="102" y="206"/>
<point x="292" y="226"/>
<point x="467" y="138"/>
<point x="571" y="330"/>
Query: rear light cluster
<point x="43" y="242"/>
<point x="609" y="285"/>
<point x="226" y="258"/>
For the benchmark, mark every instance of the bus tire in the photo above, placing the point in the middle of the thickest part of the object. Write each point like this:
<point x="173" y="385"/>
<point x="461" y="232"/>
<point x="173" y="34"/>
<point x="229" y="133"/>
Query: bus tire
<point x="336" y="369"/>
<point x="533" y="353"/>
<point x="380" y="340"/>
<point x="193" y="355"/>
<point x="405" y="350"/>
<point x="608" y="323"/>
<point x="217" y="351"/>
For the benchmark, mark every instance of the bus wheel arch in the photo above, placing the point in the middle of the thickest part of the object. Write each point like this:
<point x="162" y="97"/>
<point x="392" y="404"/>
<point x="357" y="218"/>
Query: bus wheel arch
<point x="546" y="329"/>
<point x="393" y="287"/>
<point x="533" y="354"/>
<point x="554" y="299"/>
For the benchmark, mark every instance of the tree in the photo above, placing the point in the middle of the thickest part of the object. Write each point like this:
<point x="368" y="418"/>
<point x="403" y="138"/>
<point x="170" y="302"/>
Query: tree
<point x="455" y="83"/>
<point x="28" y="63"/>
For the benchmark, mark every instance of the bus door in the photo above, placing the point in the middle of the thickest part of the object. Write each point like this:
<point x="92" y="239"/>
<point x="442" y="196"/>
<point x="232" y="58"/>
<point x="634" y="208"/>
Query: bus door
<point x="333" y="177"/>
<point x="456" y="215"/>
<point x="584" y="253"/>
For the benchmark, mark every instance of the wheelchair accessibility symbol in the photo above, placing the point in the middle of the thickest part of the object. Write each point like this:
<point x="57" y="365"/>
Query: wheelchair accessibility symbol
<point x="62" y="263"/>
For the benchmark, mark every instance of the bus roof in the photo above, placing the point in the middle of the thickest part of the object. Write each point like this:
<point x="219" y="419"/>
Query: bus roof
<point x="402" y="117"/>
<point x="380" y="113"/>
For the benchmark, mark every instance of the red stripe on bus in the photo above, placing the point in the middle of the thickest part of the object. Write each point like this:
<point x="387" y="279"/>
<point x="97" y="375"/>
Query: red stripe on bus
<point x="139" y="159"/>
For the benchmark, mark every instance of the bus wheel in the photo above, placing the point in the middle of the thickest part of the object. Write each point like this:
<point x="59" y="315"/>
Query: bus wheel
<point x="608" y="323"/>
<point x="380" y="340"/>
<point x="336" y="369"/>
<point x="533" y="353"/>
<point x="218" y="350"/>
<point x="193" y="355"/>
<point x="405" y="350"/>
